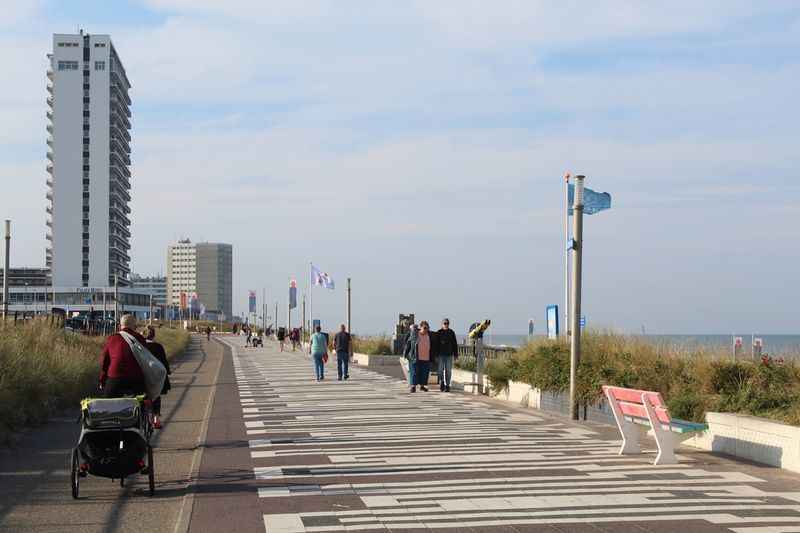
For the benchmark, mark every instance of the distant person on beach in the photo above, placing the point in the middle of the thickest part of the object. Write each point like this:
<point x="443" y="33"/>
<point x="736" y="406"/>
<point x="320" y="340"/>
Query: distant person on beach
<point x="294" y="336"/>
<point x="157" y="349"/>
<point x="249" y="338"/>
<point x="447" y="350"/>
<point x="343" y="345"/>
<point x="208" y="333"/>
<point x="318" y="348"/>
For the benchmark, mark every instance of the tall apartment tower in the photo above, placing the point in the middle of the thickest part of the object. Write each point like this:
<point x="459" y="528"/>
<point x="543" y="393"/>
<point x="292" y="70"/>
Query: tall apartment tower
<point x="204" y="269"/>
<point x="89" y="158"/>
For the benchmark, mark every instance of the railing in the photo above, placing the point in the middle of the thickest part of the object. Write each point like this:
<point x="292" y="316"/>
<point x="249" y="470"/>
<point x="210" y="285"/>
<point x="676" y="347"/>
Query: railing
<point x="466" y="354"/>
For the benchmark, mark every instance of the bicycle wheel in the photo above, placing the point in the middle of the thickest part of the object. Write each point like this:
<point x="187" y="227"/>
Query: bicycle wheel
<point x="151" y="470"/>
<point x="74" y="478"/>
<point x="122" y="482"/>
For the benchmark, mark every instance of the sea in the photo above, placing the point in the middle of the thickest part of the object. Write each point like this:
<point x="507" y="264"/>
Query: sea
<point x="774" y="345"/>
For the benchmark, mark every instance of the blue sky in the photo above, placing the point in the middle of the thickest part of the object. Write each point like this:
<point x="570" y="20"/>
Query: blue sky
<point x="418" y="147"/>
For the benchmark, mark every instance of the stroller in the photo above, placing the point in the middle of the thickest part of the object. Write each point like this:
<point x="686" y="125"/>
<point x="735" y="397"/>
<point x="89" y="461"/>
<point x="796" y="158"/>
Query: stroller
<point x="114" y="440"/>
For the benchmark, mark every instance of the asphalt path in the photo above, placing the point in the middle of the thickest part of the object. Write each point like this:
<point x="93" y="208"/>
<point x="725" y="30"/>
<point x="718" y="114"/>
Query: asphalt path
<point x="34" y="474"/>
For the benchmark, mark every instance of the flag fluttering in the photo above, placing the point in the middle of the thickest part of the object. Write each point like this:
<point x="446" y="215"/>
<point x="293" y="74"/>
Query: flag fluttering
<point x="292" y="294"/>
<point x="593" y="201"/>
<point x="321" y="278"/>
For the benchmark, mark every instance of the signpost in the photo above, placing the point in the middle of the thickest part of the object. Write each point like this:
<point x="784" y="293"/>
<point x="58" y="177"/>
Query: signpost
<point x="552" y="321"/>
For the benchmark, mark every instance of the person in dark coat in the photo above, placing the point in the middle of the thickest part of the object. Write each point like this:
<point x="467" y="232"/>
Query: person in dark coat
<point x="159" y="353"/>
<point x="120" y="373"/>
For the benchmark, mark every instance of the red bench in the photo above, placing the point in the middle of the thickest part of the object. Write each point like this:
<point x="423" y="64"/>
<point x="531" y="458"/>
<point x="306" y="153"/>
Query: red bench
<point x="635" y="408"/>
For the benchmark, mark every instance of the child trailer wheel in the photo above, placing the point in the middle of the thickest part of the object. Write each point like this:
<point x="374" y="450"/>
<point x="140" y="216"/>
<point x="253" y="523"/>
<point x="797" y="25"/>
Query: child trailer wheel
<point x="151" y="470"/>
<point x="122" y="482"/>
<point x="74" y="476"/>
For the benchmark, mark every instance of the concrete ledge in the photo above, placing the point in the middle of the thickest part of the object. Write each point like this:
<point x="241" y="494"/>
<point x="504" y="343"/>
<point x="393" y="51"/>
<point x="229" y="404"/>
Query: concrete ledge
<point x="367" y="360"/>
<point x="752" y="438"/>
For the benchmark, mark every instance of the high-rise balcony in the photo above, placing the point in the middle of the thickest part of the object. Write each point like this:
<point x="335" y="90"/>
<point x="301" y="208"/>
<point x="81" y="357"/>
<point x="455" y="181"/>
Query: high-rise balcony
<point x="49" y="182"/>
<point x="49" y="114"/>
<point x="50" y="167"/>
<point x="48" y="223"/>
<point x="49" y="237"/>
<point x="49" y="210"/>
<point x="120" y="105"/>
<point x="50" y="74"/>
<point x="50" y="88"/>
<point x="50" y="101"/>
<point x="49" y="195"/>
<point x="50" y="126"/>
<point x="119" y="145"/>
<point x="50" y="155"/>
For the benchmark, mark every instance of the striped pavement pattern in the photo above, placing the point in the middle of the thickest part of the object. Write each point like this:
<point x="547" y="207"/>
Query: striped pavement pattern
<point x="366" y="455"/>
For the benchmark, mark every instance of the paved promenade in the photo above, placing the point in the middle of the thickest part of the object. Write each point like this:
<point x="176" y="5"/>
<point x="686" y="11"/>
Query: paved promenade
<point x="365" y="455"/>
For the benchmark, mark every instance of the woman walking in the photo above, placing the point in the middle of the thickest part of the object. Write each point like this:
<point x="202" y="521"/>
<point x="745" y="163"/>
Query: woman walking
<point x="159" y="353"/>
<point x="318" y="348"/>
<point x="419" y="351"/>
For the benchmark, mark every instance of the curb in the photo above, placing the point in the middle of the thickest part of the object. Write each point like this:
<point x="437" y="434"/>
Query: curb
<point x="187" y="506"/>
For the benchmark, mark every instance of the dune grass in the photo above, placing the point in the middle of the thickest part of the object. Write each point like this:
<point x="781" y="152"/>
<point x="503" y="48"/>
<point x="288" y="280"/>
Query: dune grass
<point x="44" y="369"/>
<point x="692" y="381"/>
<point x="381" y="345"/>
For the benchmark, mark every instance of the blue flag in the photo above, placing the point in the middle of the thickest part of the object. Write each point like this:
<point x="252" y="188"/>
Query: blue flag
<point x="593" y="202"/>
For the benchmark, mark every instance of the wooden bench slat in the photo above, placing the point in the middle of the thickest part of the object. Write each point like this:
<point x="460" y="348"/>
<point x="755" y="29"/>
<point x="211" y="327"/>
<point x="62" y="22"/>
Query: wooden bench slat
<point x="638" y="410"/>
<point x="634" y="395"/>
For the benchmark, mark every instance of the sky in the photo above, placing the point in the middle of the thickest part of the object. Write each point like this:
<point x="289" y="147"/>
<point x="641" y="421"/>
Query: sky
<point x="418" y="148"/>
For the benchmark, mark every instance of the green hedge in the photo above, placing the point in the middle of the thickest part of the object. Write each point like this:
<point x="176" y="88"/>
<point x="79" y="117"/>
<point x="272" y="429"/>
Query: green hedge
<point x="691" y="382"/>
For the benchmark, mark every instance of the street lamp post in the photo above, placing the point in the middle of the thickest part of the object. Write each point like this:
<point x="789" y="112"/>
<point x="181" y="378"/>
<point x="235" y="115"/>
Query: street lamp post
<point x="5" y="271"/>
<point x="577" y="253"/>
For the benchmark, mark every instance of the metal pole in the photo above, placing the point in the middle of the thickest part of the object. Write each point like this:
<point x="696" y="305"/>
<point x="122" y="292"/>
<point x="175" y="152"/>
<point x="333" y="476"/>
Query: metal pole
<point x="349" y="329"/>
<point x="310" y="303"/>
<point x="116" y="302"/>
<point x="304" y="317"/>
<point x="105" y="312"/>
<point x="577" y="252"/>
<point x="150" y="317"/>
<point x="566" y="255"/>
<point x="5" y="271"/>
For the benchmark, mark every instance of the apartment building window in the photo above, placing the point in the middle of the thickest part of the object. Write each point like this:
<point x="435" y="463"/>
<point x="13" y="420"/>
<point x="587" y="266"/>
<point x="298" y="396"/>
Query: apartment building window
<point x="99" y="65"/>
<point x="67" y="65"/>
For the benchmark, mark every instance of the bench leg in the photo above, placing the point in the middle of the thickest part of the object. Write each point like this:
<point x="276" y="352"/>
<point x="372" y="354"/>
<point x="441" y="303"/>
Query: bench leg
<point x="630" y="438"/>
<point x="666" y="448"/>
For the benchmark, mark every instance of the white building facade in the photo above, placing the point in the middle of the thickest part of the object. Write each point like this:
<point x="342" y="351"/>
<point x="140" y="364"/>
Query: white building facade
<point x="89" y="159"/>
<point x="203" y="271"/>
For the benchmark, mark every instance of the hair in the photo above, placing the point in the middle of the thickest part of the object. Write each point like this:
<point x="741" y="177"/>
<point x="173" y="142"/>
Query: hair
<point x="149" y="333"/>
<point x="424" y="324"/>
<point x="318" y="329"/>
<point x="127" y="321"/>
<point x="446" y="320"/>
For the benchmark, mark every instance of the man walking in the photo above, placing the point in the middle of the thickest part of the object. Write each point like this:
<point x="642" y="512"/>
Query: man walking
<point x="447" y="351"/>
<point x="343" y="345"/>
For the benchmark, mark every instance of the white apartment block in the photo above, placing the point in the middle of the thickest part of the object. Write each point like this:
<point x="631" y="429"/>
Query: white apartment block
<point x="203" y="269"/>
<point x="89" y="159"/>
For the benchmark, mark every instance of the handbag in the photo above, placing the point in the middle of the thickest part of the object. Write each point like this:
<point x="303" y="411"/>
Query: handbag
<point x="153" y="371"/>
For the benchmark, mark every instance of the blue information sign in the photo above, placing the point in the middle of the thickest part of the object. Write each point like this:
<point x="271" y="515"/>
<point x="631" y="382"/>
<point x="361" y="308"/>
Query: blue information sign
<point x="552" y="321"/>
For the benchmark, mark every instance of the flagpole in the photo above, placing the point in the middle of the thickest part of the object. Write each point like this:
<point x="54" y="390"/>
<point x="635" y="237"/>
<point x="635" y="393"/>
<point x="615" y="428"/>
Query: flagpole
<point x="310" y="304"/>
<point x="566" y="327"/>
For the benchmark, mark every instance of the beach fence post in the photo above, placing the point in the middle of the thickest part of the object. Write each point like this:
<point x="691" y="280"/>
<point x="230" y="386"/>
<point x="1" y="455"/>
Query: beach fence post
<point x="575" y="338"/>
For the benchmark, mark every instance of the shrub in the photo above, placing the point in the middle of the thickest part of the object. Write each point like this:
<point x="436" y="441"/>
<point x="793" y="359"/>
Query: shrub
<point x="499" y="374"/>
<point x="381" y="345"/>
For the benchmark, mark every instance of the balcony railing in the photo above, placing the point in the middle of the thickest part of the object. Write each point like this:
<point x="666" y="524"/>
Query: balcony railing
<point x="50" y="167"/>
<point x="50" y="126"/>
<point x="50" y="74"/>
<point x="50" y="140"/>
<point x="49" y="195"/>
<point x="49" y="237"/>
<point x="50" y="101"/>
<point x="49" y="114"/>
<point x="49" y="182"/>
<point x="50" y="88"/>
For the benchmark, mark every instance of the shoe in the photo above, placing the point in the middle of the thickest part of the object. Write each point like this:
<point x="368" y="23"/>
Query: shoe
<point x="413" y="389"/>
<point x="339" y="378"/>
<point x="347" y="377"/>
<point x="447" y="388"/>
<point x="441" y="387"/>
<point x="423" y="388"/>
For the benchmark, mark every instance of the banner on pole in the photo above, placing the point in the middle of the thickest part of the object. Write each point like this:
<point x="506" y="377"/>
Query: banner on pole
<point x="252" y="301"/>
<point x="293" y="294"/>
<point x="321" y="278"/>
<point x="593" y="202"/>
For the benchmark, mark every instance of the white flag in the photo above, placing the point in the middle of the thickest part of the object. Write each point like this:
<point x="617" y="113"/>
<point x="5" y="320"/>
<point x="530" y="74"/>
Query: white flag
<point x="321" y="278"/>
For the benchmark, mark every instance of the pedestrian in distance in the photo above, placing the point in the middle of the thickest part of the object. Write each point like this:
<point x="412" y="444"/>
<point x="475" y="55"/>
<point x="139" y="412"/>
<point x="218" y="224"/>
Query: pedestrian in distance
<point x="446" y="351"/>
<point x="248" y="340"/>
<point x="281" y="336"/>
<point x="208" y="333"/>
<point x="419" y="350"/>
<point x="343" y="346"/>
<point x="318" y="348"/>
<point x="120" y="373"/>
<point x="157" y="349"/>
